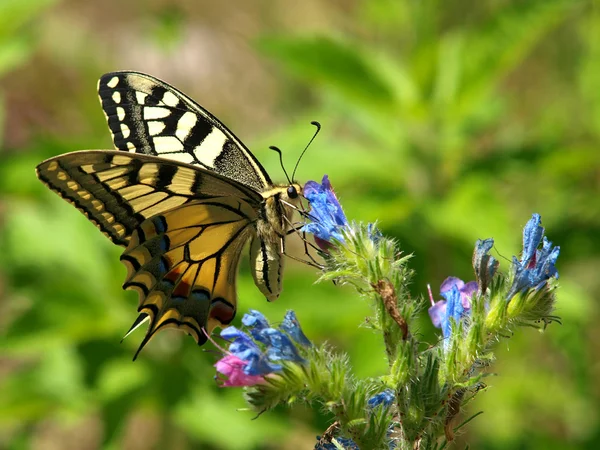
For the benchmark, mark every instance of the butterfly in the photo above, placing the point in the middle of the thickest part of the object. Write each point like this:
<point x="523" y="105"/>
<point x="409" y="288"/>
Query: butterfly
<point x="182" y="195"/>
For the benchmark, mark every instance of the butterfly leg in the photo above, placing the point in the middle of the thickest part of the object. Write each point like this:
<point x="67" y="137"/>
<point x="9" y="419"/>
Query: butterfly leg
<point x="296" y="229"/>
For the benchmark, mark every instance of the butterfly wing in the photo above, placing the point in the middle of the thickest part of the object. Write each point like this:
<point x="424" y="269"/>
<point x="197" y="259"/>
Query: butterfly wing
<point x="183" y="229"/>
<point x="184" y="265"/>
<point x="117" y="191"/>
<point x="146" y="115"/>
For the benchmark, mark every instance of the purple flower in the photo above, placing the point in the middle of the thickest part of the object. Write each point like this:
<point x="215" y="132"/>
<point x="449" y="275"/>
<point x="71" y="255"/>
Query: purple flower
<point x="326" y="213"/>
<point x="456" y="304"/>
<point x="536" y="265"/>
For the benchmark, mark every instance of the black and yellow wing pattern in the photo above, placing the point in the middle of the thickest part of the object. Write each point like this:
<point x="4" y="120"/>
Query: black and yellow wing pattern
<point x="183" y="229"/>
<point x="147" y="115"/>
<point x="182" y="195"/>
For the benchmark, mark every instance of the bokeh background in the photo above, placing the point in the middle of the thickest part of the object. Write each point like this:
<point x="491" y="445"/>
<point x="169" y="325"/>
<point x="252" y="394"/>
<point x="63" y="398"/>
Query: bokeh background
<point x="445" y="120"/>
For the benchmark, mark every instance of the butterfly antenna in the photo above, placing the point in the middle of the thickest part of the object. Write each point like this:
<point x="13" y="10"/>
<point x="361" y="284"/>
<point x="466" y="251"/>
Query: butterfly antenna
<point x="318" y="125"/>
<point x="276" y="149"/>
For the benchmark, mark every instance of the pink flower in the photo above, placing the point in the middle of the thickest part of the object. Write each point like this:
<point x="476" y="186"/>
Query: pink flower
<point x="232" y="368"/>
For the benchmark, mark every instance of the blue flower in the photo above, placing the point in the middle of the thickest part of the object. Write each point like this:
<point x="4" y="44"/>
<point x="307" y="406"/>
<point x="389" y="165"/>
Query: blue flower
<point x="262" y="349"/>
<point x="255" y="319"/>
<point x="536" y="265"/>
<point x="291" y="326"/>
<point x="384" y="398"/>
<point x="256" y="322"/>
<point x="280" y="346"/>
<point x="326" y="213"/>
<point x="243" y="347"/>
<point x="456" y="304"/>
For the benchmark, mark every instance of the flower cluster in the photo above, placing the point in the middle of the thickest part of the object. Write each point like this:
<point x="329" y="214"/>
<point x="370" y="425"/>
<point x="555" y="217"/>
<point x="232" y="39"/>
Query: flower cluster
<point x="531" y="272"/>
<point x="536" y="265"/>
<point x="254" y="355"/>
<point x="424" y="389"/>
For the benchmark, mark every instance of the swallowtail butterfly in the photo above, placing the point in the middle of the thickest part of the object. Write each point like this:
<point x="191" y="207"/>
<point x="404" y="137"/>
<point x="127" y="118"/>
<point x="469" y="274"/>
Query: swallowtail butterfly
<point x="182" y="195"/>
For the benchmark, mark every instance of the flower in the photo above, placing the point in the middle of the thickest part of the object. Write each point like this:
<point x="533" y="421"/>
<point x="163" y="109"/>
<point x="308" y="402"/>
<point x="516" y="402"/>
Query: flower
<point x="243" y="347"/>
<point x="326" y="213"/>
<point x="254" y="355"/>
<point x="384" y="398"/>
<point x="456" y="304"/>
<point x="484" y="265"/>
<point x="536" y="266"/>
<point x="291" y="326"/>
<point x="233" y="368"/>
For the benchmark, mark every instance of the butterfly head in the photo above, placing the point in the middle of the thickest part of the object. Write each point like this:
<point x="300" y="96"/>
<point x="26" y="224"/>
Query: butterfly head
<point x="293" y="192"/>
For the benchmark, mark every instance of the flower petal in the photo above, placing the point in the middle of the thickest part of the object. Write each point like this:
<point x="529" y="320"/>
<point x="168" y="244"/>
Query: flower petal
<point x="326" y="213"/>
<point x="437" y="312"/>
<point x="536" y="266"/>
<point x="450" y="282"/>
<point x="454" y="309"/>
<point x="292" y="327"/>
<point x="467" y="292"/>
<point x="384" y="398"/>
<point x="532" y="236"/>
<point x="233" y="368"/>
<point x="255" y="319"/>
<point x="243" y="347"/>
<point x="280" y="346"/>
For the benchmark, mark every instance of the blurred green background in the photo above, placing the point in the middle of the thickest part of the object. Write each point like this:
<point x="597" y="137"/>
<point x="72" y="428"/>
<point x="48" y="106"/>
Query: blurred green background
<point x="447" y="121"/>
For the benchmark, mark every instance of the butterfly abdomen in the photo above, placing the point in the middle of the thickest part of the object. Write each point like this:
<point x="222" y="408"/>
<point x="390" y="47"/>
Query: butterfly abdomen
<point x="267" y="249"/>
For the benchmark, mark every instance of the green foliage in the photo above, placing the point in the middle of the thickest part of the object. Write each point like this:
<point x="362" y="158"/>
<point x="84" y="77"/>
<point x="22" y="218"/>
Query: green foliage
<point x="444" y="121"/>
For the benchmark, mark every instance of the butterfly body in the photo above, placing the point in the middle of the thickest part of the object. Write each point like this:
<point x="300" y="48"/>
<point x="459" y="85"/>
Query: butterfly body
<point x="183" y="196"/>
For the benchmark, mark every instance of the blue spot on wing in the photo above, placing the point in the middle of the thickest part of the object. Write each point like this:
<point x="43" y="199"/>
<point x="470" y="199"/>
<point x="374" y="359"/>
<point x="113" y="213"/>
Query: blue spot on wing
<point x="199" y="295"/>
<point x="160" y="224"/>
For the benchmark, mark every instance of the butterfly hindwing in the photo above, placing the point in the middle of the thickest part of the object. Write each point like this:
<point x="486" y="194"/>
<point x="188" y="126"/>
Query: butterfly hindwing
<point x="118" y="191"/>
<point x="147" y="115"/>
<point x="184" y="265"/>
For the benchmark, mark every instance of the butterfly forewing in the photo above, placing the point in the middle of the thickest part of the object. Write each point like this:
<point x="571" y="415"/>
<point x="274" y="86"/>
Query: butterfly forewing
<point x="147" y="115"/>
<point x="118" y="191"/>
<point x="183" y="229"/>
